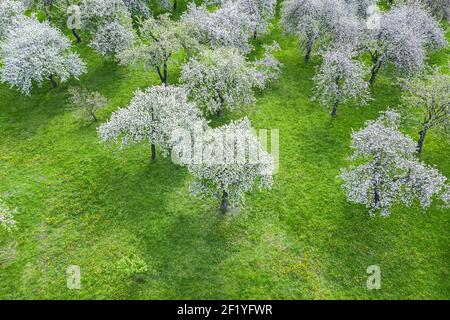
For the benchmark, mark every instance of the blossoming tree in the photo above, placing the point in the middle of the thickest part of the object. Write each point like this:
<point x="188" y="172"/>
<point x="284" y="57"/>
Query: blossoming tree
<point x="228" y="26"/>
<point x="260" y="13"/>
<point x="340" y="78"/>
<point x="223" y="79"/>
<point x="386" y="170"/>
<point x="108" y="24"/>
<point x="112" y="38"/>
<point x="33" y="52"/>
<point x="233" y="161"/>
<point x="428" y="97"/>
<point x="152" y="116"/>
<point x="404" y="35"/>
<point x="319" y="22"/>
<point x="160" y="38"/>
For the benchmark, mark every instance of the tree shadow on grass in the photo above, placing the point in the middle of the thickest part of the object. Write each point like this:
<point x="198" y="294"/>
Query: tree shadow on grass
<point x="23" y="115"/>
<point x="183" y="239"/>
<point x="178" y="236"/>
<point x="188" y="253"/>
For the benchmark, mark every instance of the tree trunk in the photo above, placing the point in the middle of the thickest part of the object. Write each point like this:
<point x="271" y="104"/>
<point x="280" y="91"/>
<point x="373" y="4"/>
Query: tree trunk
<point x="336" y="102"/>
<point x="153" y="152"/>
<point x="376" y="197"/>
<point x="160" y="74"/>
<point x="374" y="71"/>
<point x="93" y="117"/>
<point x="373" y="76"/>
<point x="48" y="11"/>
<point x="224" y="204"/>
<point x="309" y="45"/>
<point x="74" y="32"/>
<point x="53" y="82"/>
<point x="174" y="5"/>
<point x="335" y="108"/>
<point x="165" y="75"/>
<point x="255" y="34"/>
<point x="222" y="103"/>
<point x="422" y="134"/>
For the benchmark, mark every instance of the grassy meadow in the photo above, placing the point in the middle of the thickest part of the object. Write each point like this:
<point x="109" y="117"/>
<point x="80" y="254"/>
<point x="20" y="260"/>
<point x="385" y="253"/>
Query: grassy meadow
<point x="81" y="202"/>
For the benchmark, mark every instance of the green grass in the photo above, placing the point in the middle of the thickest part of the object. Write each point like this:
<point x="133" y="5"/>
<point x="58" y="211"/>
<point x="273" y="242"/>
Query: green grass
<point x="82" y="203"/>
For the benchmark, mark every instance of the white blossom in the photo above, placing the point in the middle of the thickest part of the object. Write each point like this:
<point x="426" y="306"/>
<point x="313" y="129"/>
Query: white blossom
<point x="152" y="115"/>
<point x="159" y="39"/>
<point x="440" y="8"/>
<point x="109" y="25"/>
<point x="340" y="78"/>
<point x="99" y="12"/>
<point x="304" y="18"/>
<point x="34" y="52"/>
<point x="360" y="7"/>
<point x="233" y="162"/>
<point x="112" y="38"/>
<point x="87" y="103"/>
<point x="223" y="79"/>
<point x="427" y="102"/>
<point x="169" y="5"/>
<point x="260" y="13"/>
<point x="321" y="21"/>
<point x="228" y="26"/>
<point x="138" y="8"/>
<point x="7" y="217"/>
<point x="10" y="10"/>
<point x="268" y="68"/>
<point x="405" y="33"/>
<point x="386" y="170"/>
<point x="445" y="197"/>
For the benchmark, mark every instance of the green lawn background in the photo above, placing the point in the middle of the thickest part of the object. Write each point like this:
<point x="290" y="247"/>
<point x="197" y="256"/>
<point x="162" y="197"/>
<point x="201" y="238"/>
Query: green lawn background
<point x="83" y="203"/>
